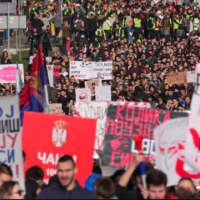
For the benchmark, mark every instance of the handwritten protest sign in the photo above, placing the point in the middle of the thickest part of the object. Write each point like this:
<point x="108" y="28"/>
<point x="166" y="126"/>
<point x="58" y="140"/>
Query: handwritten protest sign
<point x="170" y="138"/>
<point x="77" y="69"/>
<point x="51" y="136"/>
<point x="10" y="137"/>
<point x="177" y="78"/>
<point x="83" y="95"/>
<point x="122" y="124"/>
<point x="8" y="73"/>
<point x="98" y="110"/>
<point x="50" y="75"/>
<point x="56" y="74"/>
<point x="103" y="93"/>
<point x="89" y="70"/>
<point x="55" y="109"/>
<point x="92" y="84"/>
<point x="103" y="70"/>
<point x="191" y="77"/>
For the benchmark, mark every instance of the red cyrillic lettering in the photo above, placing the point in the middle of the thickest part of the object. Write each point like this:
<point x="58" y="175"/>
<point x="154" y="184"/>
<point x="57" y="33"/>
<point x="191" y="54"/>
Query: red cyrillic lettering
<point x="113" y="164"/>
<point x="121" y="128"/>
<point x="130" y="128"/>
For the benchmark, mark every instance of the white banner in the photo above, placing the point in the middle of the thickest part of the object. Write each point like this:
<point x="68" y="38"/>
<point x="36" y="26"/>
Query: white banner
<point x="91" y="70"/>
<point x="10" y="137"/>
<point x="103" y="93"/>
<point x="97" y="110"/>
<point x="191" y="77"/>
<point x="8" y="73"/>
<point x="83" y="95"/>
<point x="103" y="70"/>
<point x="77" y="69"/>
<point x="192" y="152"/>
<point x="50" y="75"/>
<point x="170" y="140"/>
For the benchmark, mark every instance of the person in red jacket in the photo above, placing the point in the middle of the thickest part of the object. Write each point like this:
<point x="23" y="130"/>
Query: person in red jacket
<point x="157" y="29"/>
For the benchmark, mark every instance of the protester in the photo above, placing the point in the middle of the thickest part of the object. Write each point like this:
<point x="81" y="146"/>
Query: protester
<point x="6" y="59"/>
<point x="5" y="174"/>
<point x="147" y="42"/>
<point x="67" y="187"/>
<point x="11" y="190"/>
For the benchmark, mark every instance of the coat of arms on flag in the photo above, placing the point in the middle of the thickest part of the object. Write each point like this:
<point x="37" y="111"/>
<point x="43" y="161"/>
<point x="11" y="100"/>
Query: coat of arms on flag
<point x="59" y="133"/>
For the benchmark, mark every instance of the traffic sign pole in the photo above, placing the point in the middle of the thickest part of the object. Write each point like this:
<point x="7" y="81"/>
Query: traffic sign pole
<point x="8" y="29"/>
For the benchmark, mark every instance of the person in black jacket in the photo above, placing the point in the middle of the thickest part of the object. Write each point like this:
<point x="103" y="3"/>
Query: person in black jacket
<point x="38" y="24"/>
<point x="67" y="187"/>
<point x="45" y="41"/>
<point x="91" y="27"/>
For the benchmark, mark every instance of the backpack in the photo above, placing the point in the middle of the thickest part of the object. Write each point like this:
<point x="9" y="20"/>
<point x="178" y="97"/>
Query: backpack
<point x="150" y="23"/>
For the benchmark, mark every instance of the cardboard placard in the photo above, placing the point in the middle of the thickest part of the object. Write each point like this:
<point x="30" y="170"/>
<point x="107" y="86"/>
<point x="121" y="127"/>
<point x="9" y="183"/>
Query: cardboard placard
<point x="92" y="84"/>
<point x="177" y="78"/>
<point x="191" y="77"/>
<point x="55" y="109"/>
<point x="83" y="95"/>
<point x="103" y="93"/>
<point x="103" y="70"/>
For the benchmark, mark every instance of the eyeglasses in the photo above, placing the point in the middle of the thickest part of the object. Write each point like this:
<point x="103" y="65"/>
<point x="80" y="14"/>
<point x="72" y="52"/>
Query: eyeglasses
<point x="20" y="192"/>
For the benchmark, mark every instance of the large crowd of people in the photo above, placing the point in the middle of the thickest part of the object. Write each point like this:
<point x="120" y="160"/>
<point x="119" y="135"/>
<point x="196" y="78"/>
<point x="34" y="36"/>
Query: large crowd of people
<point x="145" y="40"/>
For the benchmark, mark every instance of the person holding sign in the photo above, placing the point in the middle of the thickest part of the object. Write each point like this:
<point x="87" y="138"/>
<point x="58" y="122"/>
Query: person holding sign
<point x="67" y="187"/>
<point x="133" y="170"/>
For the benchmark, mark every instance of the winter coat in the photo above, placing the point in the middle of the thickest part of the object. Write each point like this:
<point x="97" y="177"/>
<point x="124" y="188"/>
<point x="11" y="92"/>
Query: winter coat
<point x="38" y="24"/>
<point x="91" y="23"/>
<point x="66" y="31"/>
<point x="180" y="33"/>
<point x="45" y="40"/>
<point x="56" y="191"/>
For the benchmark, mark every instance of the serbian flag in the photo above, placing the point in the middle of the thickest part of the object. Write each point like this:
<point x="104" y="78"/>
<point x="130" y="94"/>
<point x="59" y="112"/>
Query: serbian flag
<point x="34" y="97"/>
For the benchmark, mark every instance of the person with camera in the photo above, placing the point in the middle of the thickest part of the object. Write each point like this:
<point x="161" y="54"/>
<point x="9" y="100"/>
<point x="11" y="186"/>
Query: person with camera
<point x="45" y="41"/>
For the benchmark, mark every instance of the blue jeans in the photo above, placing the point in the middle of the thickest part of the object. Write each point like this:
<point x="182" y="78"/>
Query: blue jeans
<point x="130" y="37"/>
<point x="5" y="35"/>
<point x="56" y="35"/>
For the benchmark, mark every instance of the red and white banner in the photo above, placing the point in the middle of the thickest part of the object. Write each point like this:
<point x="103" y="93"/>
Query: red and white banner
<point x="170" y="150"/>
<point x="48" y="137"/>
<point x="98" y="110"/>
<point x="192" y="152"/>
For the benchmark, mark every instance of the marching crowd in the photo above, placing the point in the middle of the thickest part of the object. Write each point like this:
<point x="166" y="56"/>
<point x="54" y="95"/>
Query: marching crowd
<point x="145" y="40"/>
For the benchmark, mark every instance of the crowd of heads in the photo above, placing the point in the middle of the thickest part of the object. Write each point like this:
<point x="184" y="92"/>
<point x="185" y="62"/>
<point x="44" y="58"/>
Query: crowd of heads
<point x="122" y="184"/>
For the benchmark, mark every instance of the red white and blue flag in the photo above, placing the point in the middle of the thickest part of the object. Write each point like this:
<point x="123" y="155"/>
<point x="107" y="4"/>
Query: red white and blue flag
<point x="34" y="97"/>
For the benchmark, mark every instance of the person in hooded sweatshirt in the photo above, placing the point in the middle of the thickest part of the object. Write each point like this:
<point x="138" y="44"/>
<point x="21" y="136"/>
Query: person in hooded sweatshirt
<point x="67" y="187"/>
